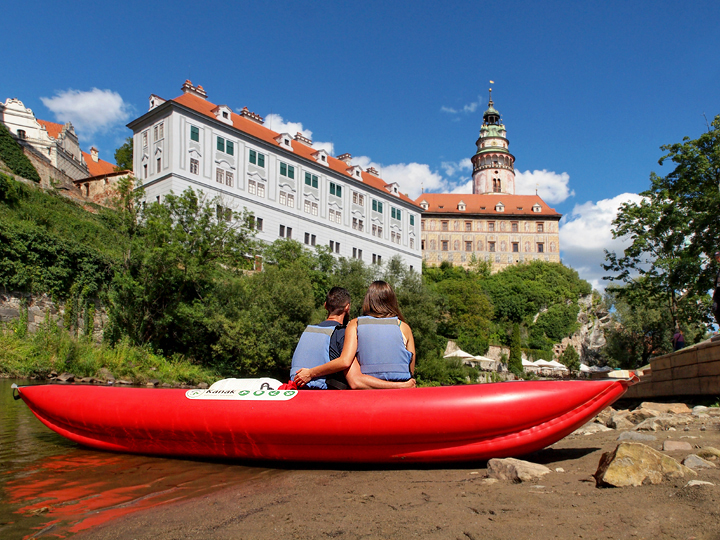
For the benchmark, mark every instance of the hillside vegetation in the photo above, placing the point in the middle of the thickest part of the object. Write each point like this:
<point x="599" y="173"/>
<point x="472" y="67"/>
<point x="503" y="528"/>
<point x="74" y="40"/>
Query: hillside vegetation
<point x="176" y="282"/>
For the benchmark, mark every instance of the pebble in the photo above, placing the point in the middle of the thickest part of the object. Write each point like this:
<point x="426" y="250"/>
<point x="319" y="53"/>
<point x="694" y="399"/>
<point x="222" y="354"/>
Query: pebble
<point x="694" y="461"/>
<point x="692" y="483"/>
<point x="673" y="446"/>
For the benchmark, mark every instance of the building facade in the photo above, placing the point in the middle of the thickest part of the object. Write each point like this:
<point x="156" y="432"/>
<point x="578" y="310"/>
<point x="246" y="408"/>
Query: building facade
<point x="292" y="189"/>
<point x="57" y="143"/>
<point x="492" y="224"/>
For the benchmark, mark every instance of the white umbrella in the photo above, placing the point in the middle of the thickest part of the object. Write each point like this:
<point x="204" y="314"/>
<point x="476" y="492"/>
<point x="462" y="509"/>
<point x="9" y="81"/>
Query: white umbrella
<point x="584" y="368"/>
<point x="557" y="365"/>
<point x="459" y="354"/>
<point x="486" y="363"/>
<point x="543" y="363"/>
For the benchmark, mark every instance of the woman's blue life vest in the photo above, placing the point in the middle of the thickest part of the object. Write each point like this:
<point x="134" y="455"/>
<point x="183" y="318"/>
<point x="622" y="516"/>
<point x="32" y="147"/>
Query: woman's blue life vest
<point x="381" y="351"/>
<point x="313" y="350"/>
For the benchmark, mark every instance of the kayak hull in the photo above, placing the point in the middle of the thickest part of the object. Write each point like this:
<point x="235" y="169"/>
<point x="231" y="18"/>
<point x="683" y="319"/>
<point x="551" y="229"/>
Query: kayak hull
<point x="443" y="424"/>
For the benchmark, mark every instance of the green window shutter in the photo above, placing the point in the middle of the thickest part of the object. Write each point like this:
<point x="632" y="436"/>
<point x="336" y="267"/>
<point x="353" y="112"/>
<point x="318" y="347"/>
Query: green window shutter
<point x="412" y="220"/>
<point x="194" y="134"/>
<point x="253" y="157"/>
<point x="332" y="188"/>
<point x="307" y="179"/>
<point x="374" y="205"/>
<point x="338" y="191"/>
<point x="283" y="169"/>
<point x="230" y="148"/>
<point x="398" y="214"/>
<point x="314" y="181"/>
<point x="379" y="207"/>
<point x="261" y="160"/>
<point x="291" y="171"/>
<point x="221" y="144"/>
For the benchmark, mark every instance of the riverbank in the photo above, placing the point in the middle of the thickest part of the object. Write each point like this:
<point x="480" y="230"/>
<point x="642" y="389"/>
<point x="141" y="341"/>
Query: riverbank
<point x="50" y="352"/>
<point x="453" y="502"/>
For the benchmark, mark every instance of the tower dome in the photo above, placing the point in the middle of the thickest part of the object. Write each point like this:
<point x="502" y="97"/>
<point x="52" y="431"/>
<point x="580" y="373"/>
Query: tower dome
<point x="493" y="164"/>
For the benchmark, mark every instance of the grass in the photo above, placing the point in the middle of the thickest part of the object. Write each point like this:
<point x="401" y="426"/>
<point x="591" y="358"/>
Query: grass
<point x="36" y="355"/>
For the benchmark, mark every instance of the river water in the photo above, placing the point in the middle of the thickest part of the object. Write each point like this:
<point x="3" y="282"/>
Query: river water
<point x="51" y="487"/>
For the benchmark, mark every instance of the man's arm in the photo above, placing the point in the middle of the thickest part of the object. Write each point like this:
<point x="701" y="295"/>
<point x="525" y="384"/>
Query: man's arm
<point x="343" y="362"/>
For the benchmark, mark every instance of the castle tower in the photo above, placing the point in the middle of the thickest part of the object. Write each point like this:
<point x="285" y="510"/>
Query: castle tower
<point x="493" y="164"/>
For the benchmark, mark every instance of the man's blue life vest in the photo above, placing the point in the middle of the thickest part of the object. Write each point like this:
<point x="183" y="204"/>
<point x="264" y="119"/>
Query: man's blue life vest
<point x="381" y="351"/>
<point x="313" y="350"/>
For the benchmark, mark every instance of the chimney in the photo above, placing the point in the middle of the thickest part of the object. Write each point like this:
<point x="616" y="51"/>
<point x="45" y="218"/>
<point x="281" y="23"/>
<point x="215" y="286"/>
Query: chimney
<point x="94" y="154"/>
<point x="252" y="116"/>
<point x="198" y="91"/>
<point x="347" y="158"/>
<point x="373" y="171"/>
<point x="303" y="139"/>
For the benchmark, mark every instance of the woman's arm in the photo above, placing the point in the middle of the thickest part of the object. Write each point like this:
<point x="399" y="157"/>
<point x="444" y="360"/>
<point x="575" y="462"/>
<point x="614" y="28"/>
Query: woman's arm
<point x="359" y="381"/>
<point x="341" y="363"/>
<point x="410" y="346"/>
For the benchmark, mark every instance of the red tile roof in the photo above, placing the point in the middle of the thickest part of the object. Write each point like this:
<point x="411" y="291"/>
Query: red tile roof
<point x="447" y="203"/>
<point x="101" y="168"/>
<point x="53" y="129"/>
<point x="265" y="134"/>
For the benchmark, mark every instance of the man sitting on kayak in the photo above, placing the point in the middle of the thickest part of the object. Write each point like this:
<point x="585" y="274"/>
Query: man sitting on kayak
<point x="380" y="343"/>
<point x="324" y="342"/>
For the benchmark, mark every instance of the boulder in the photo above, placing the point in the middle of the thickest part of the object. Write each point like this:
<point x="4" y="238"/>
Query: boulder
<point x="515" y="470"/>
<point x="636" y="436"/>
<point x="640" y="415"/>
<point x="700" y="409"/>
<point x="694" y="461"/>
<point x="152" y="383"/>
<point x="619" y="421"/>
<point x="203" y="385"/>
<point x="635" y="464"/>
<point x="124" y="381"/>
<point x="661" y="423"/>
<point x="666" y="408"/>
<point x="65" y="377"/>
<point x="605" y="415"/>
<point x="676" y="446"/>
<point x="105" y="375"/>
<point x="709" y="453"/>
<point x="591" y="428"/>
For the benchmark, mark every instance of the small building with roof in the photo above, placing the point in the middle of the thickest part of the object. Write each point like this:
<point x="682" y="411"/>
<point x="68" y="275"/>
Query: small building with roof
<point x="492" y="224"/>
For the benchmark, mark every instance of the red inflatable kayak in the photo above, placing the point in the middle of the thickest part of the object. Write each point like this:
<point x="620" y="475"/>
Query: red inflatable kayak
<point x="457" y="423"/>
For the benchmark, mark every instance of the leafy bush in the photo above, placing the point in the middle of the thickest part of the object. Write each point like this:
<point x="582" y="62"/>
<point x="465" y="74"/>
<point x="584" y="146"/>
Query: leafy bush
<point x="12" y="154"/>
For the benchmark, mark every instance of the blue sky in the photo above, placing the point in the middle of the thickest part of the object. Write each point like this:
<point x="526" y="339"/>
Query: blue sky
<point x="588" y="90"/>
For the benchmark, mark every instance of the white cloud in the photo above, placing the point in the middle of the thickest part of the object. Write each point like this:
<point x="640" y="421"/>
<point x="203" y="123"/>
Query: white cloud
<point x="464" y="187"/>
<point x="279" y="125"/>
<point x="90" y="112"/>
<point x="551" y="186"/>
<point x="586" y="232"/>
<point x="467" y="109"/>
<point x="451" y="167"/>
<point x="411" y="177"/>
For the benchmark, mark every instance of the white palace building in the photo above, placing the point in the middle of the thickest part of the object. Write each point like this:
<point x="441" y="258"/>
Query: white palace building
<point x="292" y="189"/>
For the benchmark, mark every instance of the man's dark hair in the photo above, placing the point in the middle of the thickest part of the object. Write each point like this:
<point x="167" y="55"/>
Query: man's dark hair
<point x="336" y="300"/>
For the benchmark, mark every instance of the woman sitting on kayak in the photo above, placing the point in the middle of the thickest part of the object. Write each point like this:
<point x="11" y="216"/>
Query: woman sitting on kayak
<point x="379" y="343"/>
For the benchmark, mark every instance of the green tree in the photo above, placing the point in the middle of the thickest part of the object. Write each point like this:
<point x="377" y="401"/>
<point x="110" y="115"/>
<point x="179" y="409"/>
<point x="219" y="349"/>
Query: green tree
<point x="570" y="358"/>
<point x="124" y="156"/>
<point x="14" y="157"/>
<point x="673" y="231"/>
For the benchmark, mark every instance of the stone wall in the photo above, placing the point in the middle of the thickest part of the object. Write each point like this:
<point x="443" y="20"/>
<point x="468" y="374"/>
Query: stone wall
<point x="39" y="308"/>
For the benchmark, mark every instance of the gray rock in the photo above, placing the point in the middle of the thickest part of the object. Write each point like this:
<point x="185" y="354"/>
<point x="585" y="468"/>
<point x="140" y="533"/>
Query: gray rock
<point x="699" y="409"/>
<point x="696" y="462"/>
<point x="66" y="377"/>
<point x="636" y="436"/>
<point x="104" y="374"/>
<point x="153" y="382"/>
<point x="605" y="415"/>
<point x="634" y="464"/>
<point x="515" y="470"/>
<point x="676" y="446"/>
<point x="203" y="385"/>
<point x="640" y="415"/>
<point x="124" y="381"/>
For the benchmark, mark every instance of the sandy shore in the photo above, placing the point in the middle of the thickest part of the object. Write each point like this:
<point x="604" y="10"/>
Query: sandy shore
<point x="447" y="502"/>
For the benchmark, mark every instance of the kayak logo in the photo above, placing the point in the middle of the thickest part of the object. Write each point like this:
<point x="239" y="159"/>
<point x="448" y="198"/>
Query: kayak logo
<point x="242" y="395"/>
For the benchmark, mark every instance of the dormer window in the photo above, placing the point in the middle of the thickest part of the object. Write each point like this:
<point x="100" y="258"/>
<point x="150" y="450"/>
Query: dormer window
<point x="461" y="206"/>
<point x="499" y="207"/>
<point x="355" y="171"/>
<point x="284" y="141"/>
<point x="321" y="157"/>
<point x="424" y="205"/>
<point x="537" y="208"/>
<point x="222" y="113"/>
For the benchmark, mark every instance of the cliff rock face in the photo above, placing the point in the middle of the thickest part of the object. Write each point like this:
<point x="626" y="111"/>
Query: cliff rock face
<point x="589" y="339"/>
